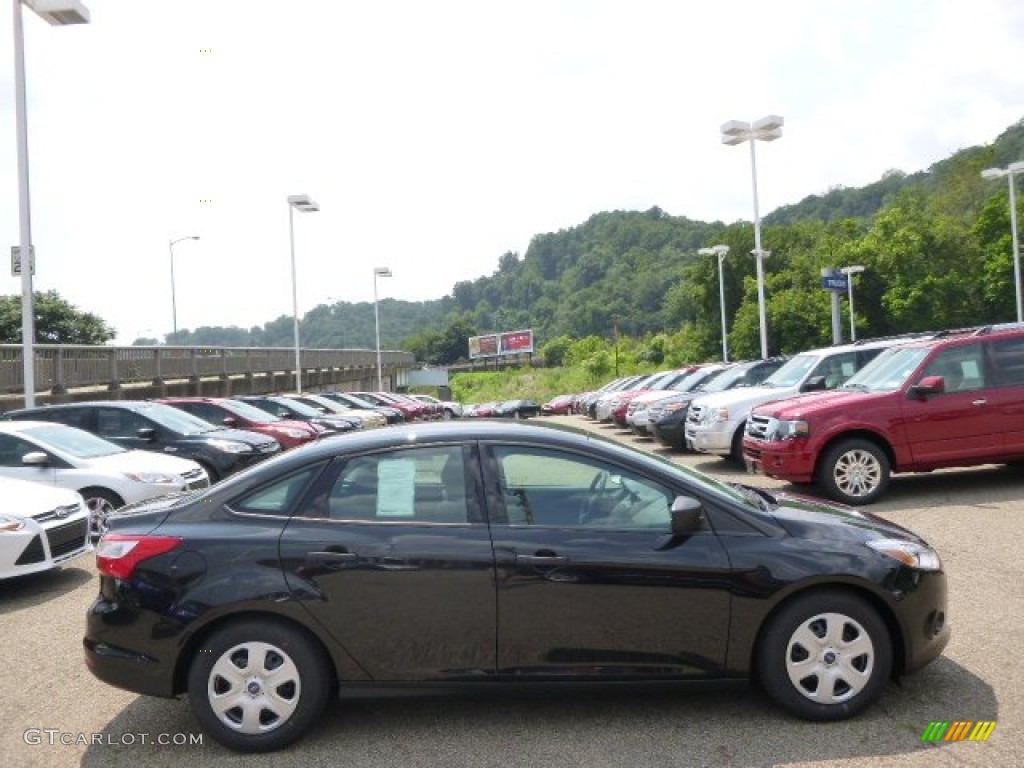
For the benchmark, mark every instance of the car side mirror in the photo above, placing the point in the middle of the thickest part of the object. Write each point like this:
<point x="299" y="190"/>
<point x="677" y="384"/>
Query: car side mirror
<point x="146" y="433"/>
<point x="813" y="384"/>
<point x="687" y="516"/>
<point x="929" y="385"/>
<point x="230" y="421"/>
<point x="35" y="459"/>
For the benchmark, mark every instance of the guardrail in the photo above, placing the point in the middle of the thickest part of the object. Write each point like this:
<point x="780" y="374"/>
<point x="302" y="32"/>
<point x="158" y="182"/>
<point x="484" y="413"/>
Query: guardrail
<point x="60" y="368"/>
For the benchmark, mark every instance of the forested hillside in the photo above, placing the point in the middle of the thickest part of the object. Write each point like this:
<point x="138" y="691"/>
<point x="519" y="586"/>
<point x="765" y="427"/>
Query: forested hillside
<point x="935" y="245"/>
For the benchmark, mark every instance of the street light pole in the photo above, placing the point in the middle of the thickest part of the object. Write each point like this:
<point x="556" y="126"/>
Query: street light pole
<point x="721" y="251"/>
<point x="768" y="128"/>
<point x="304" y="204"/>
<point x="850" y="272"/>
<point x="56" y="13"/>
<point x="378" y="272"/>
<point x="1009" y="172"/>
<point x="174" y="300"/>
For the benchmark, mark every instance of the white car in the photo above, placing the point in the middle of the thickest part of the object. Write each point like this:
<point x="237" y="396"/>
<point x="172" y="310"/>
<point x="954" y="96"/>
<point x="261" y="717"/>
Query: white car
<point x="105" y="474"/>
<point x="449" y="408"/>
<point x="41" y="527"/>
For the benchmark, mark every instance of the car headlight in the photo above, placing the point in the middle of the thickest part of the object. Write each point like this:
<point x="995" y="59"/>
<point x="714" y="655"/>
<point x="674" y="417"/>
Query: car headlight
<point x="292" y="433"/>
<point x="152" y="477"/>
<point x="11" y="524"/>
<point x="788" y="430"/>
<point x="230" y="446"/>
<point x="909" y="553"/>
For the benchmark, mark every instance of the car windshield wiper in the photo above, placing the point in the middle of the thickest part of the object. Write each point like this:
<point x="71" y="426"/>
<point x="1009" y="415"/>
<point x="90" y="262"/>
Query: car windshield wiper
<point x="757" y="496"/>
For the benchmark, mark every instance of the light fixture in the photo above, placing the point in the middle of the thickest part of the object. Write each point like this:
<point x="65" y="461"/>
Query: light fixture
<point x="850" y="271"/>
<point x="1009" y="172"/>
<point x="378" y="272"/>
<point x="174" y="301"/>
<point x="734" y="132"/>
<point x="721" y="251"/>
<point x="303" y="204"/>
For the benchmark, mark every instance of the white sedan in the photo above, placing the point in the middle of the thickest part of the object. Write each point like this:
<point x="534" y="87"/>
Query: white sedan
<point x="41" y="527"/>
<point x="107" y="475"/>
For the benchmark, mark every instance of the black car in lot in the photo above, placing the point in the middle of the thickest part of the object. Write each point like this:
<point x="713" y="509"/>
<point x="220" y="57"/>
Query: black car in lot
<point x="517" y="409"/>
<point x="150" y="426"/>
<point x="490" y="552"/>
<point x="668" y="416"/>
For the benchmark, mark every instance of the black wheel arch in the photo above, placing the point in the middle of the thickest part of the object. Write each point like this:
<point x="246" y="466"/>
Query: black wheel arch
<point x="191" y="646"/>
<point x="872" y="598"/>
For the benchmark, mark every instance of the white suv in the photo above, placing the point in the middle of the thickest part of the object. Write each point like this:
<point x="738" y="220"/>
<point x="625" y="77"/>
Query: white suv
<point x="716" y="422"/>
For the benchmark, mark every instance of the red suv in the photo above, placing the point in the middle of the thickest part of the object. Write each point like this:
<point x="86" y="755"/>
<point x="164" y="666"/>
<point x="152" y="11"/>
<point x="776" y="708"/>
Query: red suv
<point x="953" y="400"/>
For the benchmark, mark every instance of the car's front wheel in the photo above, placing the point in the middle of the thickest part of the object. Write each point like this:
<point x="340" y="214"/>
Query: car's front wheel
<point x="854" y="472"/>
<point x="258" y="686"/>
<point x="825" y="656"/>
<point x="101" y="503"/>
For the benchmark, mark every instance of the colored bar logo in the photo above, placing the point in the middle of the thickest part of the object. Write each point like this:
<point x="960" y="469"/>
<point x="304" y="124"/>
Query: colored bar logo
<point x="958" y="730"/>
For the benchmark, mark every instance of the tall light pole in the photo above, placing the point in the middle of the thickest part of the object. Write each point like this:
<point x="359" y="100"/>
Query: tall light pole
<point x="57" y="13"/>
<point x="1009" y="172"/>
<point x="378" y="272"/>
<point x="856" y="269"/>
<point x="721" y="251"/>
<point x="304" y="204"/>
<point x="768" y="128"/>
<point x="174" y="300"/>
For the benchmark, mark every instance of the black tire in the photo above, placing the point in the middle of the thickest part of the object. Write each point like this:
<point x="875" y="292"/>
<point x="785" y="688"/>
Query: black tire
<point x="854" y="472"/>
<point x="736" y="448"/>
<point x="825" y="656"/>
<point x="278" y="716"/>
<point x="101" y="503"/>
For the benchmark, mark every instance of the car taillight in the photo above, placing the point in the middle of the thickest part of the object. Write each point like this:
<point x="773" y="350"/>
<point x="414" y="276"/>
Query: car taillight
<point x="117" y="555"/>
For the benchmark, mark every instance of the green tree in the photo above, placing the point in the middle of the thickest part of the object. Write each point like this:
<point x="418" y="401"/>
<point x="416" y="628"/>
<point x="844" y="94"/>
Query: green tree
<point x="57" y="321"/>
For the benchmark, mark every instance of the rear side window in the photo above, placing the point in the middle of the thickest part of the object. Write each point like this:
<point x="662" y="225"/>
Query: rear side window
<point x="279" y="497"/>
<point x="1008" y="358"/>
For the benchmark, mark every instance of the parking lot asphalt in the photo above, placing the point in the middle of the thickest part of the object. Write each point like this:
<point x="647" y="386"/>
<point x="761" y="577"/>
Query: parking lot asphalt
<point x="54" y="713"/>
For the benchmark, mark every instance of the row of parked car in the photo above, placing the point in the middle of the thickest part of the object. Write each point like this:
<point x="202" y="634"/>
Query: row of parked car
<point x="842" y="418"/>
<point x="65" y="468"/>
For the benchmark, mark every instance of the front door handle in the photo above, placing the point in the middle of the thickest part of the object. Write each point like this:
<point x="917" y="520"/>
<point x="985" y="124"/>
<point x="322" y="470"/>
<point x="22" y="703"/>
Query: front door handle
<point x="979" y="401"/>
<point x="541" y="559"/>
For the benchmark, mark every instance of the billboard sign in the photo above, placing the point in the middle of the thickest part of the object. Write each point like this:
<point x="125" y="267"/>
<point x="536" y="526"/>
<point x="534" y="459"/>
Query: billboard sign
<point x="494" y="344"/>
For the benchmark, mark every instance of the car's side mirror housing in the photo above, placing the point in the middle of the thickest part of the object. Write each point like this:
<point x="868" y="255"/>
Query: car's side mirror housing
<point x="687" y="516"/>
<point x="35" y="459"/>
<point x="813" y="384"/>
<point x="929" y="385"/>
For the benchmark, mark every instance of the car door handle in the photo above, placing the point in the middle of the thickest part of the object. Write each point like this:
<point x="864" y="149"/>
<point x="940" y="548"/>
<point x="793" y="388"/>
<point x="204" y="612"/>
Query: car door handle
<point x="541" y="559"/>
<point x="979" y="401"/>
<point x="331" y="557"/>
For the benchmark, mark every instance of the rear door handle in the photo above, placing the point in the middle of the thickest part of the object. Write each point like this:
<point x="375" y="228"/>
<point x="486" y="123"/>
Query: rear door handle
<point x="979" y="401"/>
<point x="330" y="558"/>
<point x="541" y="559"/>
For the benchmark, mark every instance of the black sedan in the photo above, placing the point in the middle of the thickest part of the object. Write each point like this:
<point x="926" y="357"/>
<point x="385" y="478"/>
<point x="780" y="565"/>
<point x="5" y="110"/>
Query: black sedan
<point x="517" y="409"/>
<point x="469" y="553"/>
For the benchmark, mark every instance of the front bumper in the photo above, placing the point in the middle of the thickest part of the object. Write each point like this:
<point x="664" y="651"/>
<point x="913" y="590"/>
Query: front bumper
<point x="790" y="460"/>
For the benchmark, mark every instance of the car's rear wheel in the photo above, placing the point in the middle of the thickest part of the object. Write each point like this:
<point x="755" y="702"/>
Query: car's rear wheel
<point x="854" y="472"/>
<point x="258" y="686"/>
<point x="825" y="656"/>
<point x="101" y="503"/>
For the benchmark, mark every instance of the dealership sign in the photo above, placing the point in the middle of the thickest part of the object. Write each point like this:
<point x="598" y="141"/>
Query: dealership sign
<point x="494" y="344"/>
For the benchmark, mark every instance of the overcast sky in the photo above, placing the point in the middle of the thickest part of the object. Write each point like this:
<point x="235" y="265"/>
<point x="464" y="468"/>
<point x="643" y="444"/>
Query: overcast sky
<point x="438" y="135"/>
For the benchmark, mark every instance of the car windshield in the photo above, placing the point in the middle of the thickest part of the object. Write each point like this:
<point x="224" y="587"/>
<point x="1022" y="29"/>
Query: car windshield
<point x="250" y="412"/>
<point x="793" y="372"/>
<point x="725" y="379"/>
<point x="887" y="372"/>
<point x="72" y="441"/>
<point x="174" y="420"/>
<point x="687" y="383"/>
<point x="350" y="400"/>
<point x="302" y="409"/>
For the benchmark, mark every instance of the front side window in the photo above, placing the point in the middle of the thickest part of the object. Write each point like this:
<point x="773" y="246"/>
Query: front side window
<point x="541" y="486"/>
<point x="119" y="422"/>
<point x="12" y="449"/>
<point x="836" y="369"/>
<point x="961" y="368"/>
<point x="413" y="485"/>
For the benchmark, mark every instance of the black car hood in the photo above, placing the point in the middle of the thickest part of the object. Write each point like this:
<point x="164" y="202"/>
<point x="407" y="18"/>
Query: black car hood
<point x="806" y="517"/>
<point x="238" y="435"/>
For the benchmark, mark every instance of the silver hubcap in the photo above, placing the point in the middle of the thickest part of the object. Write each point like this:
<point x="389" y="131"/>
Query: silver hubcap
<point x="99" y="509"/>
<point x="254" y="688"/>
<point x="857" y="473"/>
<point x="830" y="658"/>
